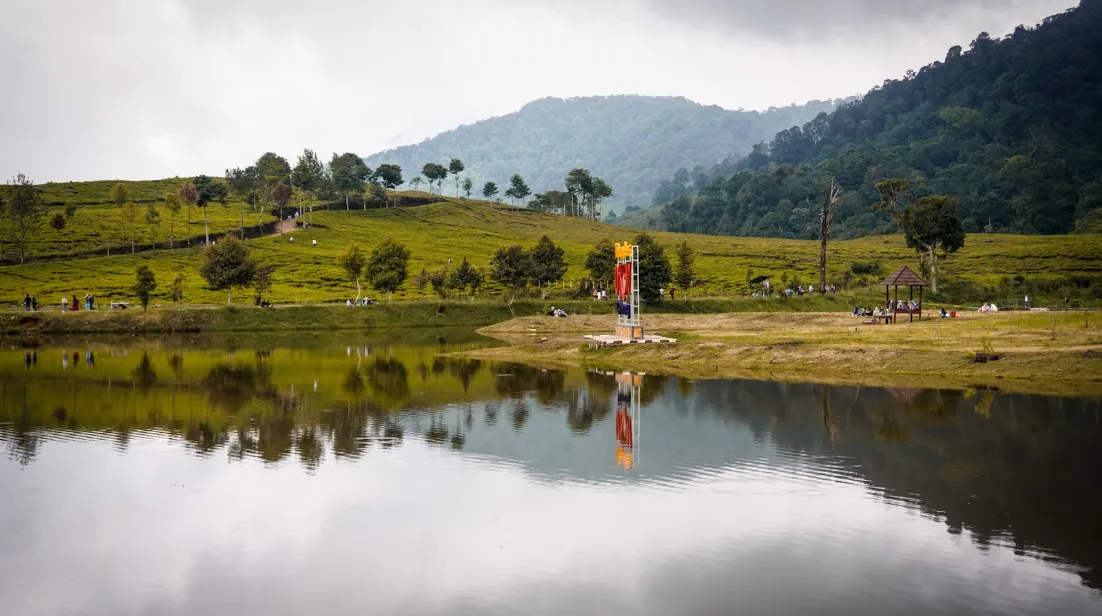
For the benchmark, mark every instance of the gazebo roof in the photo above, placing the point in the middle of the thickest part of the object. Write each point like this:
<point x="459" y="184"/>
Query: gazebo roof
<point x="760" y="279"/>
<point x="904" y="278"/>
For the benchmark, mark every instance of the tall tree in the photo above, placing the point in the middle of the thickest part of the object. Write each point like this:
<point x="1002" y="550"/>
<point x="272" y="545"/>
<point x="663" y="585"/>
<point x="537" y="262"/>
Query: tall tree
<point x="546" y="264"/>
<point x="128" y="217"/>
<point x="353" y="261"/>
<point x="416" y="182"/>
<point x="279" y="195"/>
<point x="599" y="190"/>
<point x="389" y="177"/>
<point x="654" y="267"/>
<point x="386" y="270"/>
<point x="579" y="184"/>
<point x="468" y="185"/>
<point x="685" y="272"/>
<point x="511" y="269"/>
<point x="455" y="167"/>
<point x="271" y="166"/>
<point x="227" y="265"/>
<point x="434" y="173"/>
<point x="826" y="220"/>
<point x="119" y="194"/>
<point x="489" y="191"/>
<point x="189" y="195"/>
<point x="207" y="190"/>
<point x="930" y="225"/>
<point x="172" y="204"/>
<point x="350" y="174"/>
<point x="145" y="285"/>
<point x="601" y="263"/>
<point x="70" y="217"/>
<point x="262" y="282"/>
<point x="466" y="277"/>
<point x="518" y="190"/>
<point x="153" y="219"/>
<point x="308" y="176"/>
<point x="244" y="184"/>
<point x="57" y="223"/>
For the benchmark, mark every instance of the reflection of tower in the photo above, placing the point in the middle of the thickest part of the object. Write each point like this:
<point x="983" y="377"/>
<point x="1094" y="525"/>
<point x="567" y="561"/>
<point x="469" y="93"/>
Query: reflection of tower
<point x="627" y="418"/>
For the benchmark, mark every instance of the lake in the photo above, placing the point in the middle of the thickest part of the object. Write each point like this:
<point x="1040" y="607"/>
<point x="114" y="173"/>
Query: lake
<point x="357" y="473"/>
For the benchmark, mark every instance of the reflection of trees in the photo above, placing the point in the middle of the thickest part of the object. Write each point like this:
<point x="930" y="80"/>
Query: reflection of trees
<point x="231" y="387"/>
<point x="490" y="412"/>
<point x="176" y="362"/>
<point x="388" y="378"/>
<point x="520" y="415"/>
<point x="437" y="433"/>
<point x="1024" y="469"/>
<point x="310" y="447"/>
<point x="145" y="376"/>
<point x="464" y="370"/>
<point x="515" y="380"/>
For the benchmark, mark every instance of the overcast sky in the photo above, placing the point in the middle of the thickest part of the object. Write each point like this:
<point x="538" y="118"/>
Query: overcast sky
<point x="142" y="89"/>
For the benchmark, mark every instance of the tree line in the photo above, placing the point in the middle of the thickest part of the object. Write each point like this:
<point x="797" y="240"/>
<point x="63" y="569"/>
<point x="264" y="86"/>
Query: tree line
<point x="1006" y="128"/>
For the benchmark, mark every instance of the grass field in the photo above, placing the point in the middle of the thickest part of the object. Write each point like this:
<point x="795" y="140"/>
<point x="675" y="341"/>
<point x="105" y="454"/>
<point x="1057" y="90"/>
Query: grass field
<point x="1050" y="353"/>
<point x="453" y="229"/>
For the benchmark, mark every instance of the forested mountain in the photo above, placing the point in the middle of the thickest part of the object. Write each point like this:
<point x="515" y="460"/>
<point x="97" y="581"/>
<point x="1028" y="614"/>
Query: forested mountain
<point x="632" y="142"/>
<point x="1010" y="127"/>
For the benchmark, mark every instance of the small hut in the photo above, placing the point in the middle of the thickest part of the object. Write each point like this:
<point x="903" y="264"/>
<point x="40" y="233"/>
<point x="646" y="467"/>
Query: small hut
<point x="903" y="278"/>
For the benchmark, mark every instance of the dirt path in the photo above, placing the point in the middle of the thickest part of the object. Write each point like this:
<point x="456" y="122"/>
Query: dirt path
<point x="283" y="226"/>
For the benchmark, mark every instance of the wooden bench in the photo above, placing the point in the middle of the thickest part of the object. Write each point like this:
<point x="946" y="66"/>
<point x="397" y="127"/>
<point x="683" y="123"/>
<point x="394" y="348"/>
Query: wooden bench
<point x="120" y="305"/>
<point x="886" y="318"/>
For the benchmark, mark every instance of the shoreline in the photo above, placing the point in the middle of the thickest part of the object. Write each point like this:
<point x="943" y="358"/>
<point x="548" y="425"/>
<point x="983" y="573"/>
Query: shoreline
<point x="1047" y="354"/>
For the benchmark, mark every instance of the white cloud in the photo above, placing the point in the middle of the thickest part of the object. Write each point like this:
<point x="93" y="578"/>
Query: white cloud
<point x="152" y="88"/>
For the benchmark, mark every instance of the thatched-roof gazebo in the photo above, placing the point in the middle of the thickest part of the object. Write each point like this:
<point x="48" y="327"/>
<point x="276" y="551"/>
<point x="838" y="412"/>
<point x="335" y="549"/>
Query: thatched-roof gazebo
<point x="903" y="278"/>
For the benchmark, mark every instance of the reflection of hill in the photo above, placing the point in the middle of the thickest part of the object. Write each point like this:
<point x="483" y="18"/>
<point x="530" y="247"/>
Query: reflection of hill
<point x="1019" y="470"/>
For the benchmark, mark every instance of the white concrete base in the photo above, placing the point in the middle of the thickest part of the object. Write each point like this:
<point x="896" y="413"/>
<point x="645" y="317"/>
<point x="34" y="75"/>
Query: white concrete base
<point x="610" y="340"/>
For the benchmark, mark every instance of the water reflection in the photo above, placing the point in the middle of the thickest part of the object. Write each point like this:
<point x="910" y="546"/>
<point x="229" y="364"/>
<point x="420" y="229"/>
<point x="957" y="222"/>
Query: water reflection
<point x="1003" y="472"/>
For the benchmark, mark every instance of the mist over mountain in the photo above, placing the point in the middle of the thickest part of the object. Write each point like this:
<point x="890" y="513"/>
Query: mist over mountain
<point x="1008" y="127"/>
<point x="632" y="142"/>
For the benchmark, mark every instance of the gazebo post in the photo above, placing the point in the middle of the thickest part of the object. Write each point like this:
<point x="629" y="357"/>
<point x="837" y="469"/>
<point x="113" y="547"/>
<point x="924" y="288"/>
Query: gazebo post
<point x="920" y="303"/>
<point x="895" y="308"/>
<point x="912" y="288"/>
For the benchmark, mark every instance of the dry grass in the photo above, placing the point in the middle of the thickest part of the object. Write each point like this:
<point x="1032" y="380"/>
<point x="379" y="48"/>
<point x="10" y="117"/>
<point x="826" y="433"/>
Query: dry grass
<point x="1054" y="353"/>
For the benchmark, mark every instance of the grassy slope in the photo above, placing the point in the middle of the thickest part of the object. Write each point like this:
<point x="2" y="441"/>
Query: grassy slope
<point x="1052" y="353"/>
<point x="457" y="228"/>
<point x="97" y="225"/>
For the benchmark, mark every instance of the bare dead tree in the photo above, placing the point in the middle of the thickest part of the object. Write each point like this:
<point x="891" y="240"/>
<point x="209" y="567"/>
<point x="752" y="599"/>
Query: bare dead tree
<point x="826" y="220"/>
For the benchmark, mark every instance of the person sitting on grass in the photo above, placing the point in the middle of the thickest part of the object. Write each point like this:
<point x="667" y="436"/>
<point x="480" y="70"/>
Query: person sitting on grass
<point x="944" y="314"/>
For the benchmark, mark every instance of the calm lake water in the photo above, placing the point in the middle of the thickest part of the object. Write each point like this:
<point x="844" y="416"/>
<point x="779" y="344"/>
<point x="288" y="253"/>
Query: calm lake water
<point x="365" y="474"/>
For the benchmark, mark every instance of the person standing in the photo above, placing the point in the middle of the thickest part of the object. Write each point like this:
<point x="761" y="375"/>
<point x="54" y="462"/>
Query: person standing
<point x="26" y="302"/>
<point x="64" y="303"/>
<point x="34" y="303"/>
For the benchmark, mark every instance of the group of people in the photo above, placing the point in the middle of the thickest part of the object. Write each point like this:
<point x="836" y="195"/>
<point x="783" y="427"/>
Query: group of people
<point x="989" y="307"/>
<point x="30" y="303"/>
<point x="556" y="312"/>
<point x="73" y="304"/>
<point x="875" y="312"/>
<point x="800" y="290"/>
<point x="365" y="301"/>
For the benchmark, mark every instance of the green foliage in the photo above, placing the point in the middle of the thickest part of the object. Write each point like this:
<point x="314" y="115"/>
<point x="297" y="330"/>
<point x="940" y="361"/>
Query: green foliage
<point x="349" y="174"/>
<point x="178" y="288"/>
<point x="262" y="282"/>
<point x="545" y="263"/>
<point x="489" y="190"/>
<point x="434" y="174"/>
<point x="271" y="168"/>
<point x="467" y="186"/>
<point x="308" y="173"/>
<point x="390" y="176"/>
<point x="455" y="167"/>
<point x="439" y="281"/>
<point x="120" y="194"/>
<point x="654" y="267"/>
<point x="601" y="263"/>
<point x="386" y="270"/>
<point x="631" y="141"/>
<point x="1003" y="128"/>
<point x="207" y="190"/>
<point x="466" y="277"/>
<point x="145" y="285"/>
<point x="518" y="190"/>
<point x="227" y="265"/>
<point x="353" y="261"/>
<point x="510" y="268"/>
<point x="25" y="209"/>
<point x="685" y="271"/>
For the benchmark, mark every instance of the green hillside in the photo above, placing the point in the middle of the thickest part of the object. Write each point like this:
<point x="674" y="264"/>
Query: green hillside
<point x="454" y="229"/>
<point x="1009" y="127"/>
<point x="630" y="141"/>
